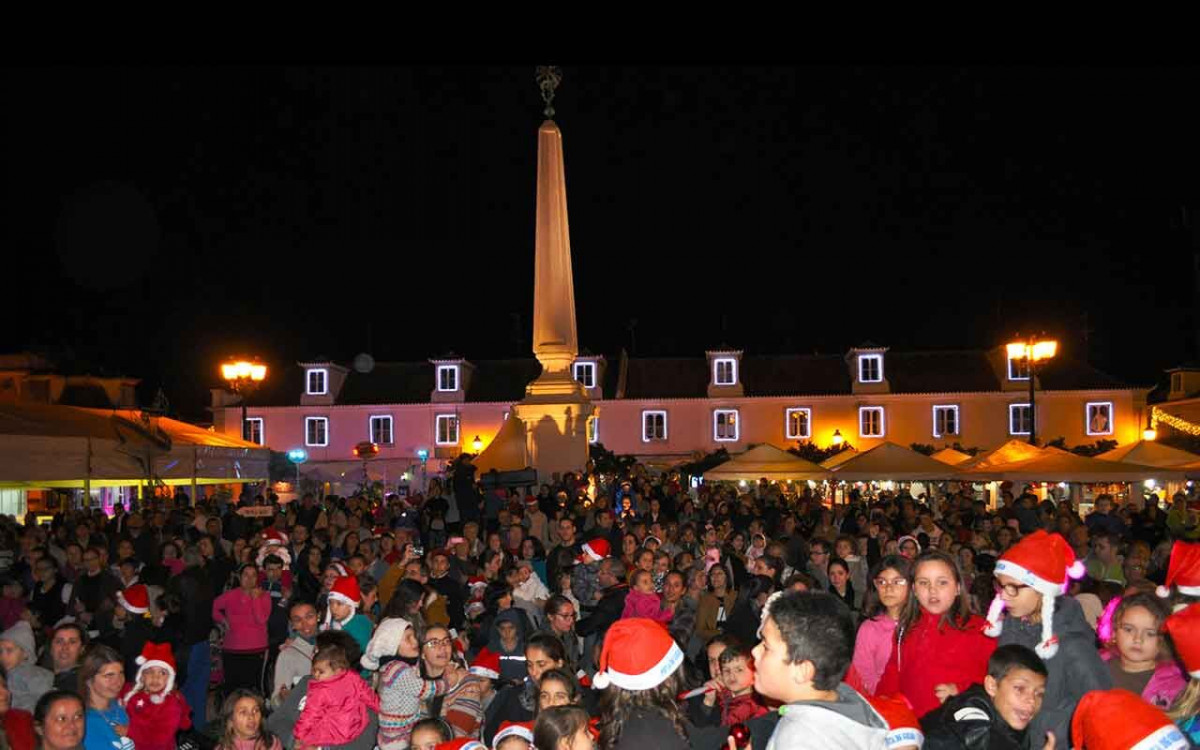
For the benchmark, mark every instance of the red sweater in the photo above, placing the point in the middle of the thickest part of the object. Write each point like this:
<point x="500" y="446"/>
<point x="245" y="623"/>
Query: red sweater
<point x="930" y="656"/>
<point x="152" y="726"/>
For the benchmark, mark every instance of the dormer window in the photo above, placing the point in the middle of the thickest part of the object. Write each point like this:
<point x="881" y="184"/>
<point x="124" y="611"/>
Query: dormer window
<point x="447" y="378"/>
<point x="1018" y="369"/>
<point x="585" y="373"/>
<point x="870" y="368"/>
<point x="317" y="381"/>
<point x="725" y="371"/>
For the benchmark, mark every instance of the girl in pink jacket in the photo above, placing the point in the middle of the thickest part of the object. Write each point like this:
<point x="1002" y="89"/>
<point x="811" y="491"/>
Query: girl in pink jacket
<point x="1136" y="652"/>
<point x="889" y="589"/>
<point x="641" y="601"/>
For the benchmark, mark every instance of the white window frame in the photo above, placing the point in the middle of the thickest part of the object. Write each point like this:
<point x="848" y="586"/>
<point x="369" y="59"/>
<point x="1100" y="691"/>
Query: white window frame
<point x="733" y="370"/>
<point x="308" y="375"/>
<point x="437" y="429"/>
<point x="957" y="423"/>
<point x="1011" y="411"/>
<point x="737" y="425"/>
<point x="314" y="420"/>
<point x="1087" y="424"/>
<point x="590" y="367"/>
<point x="391" y="424"/>
<point x="787" y="422"/>
<point x="863" y="410"/>
<point x="648" y="413"/>
<point x="447" y="368"/>
<point x="1012" y="374"/>
<point x="862" y="359"/>
<point x="262" y="430"/>
<point x="593" y="428"/>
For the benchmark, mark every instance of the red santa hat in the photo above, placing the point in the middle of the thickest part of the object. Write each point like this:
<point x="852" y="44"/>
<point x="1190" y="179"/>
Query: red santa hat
<point x="584" y="680"/>
<point x="1120" y="720"/>
<point x="522" y="729"/>
<point x="1184" y="629"/>
<point x="477" y="585"/>
<point x="154" y="655"/>
<point x="273" y="536"/>
<point x="595" y="550"/>
<point x="486" y="664"/>
<point x="136" y="599"/>
<point x="1043" y="562"/>
<point x="345" y="589"/>
<point x="1183" y="572"/>
<point x="904" y="730"/>
<point x="462" y="743"/>
<point x="638" y="654"/>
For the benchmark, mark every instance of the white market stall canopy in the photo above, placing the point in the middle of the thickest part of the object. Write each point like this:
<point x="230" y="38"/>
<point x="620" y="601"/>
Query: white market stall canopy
<point x="1011" y="452"/>
<point x="1054" y="465"/>
<point x="838" y="459"/>
<point x="766" y="462"/>
<point x="1151" y="453"/>
<point x="895" y="462"/>
<point x="46" y="446"/>
<point x="950" y="456"/>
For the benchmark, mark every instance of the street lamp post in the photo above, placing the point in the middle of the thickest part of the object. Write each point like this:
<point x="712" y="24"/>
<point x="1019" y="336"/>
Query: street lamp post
<point x="243" y="378"/>
<point x="1032" y="351"/>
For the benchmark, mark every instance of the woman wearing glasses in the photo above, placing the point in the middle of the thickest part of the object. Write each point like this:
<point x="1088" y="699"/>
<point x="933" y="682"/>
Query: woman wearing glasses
<point x="891" y="586"/>
<point x="406" y="689"/>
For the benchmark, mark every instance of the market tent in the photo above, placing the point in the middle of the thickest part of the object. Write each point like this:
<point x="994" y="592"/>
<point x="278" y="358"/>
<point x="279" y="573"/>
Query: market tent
<point x="838" y="459"/>
<point x="506" y="452"/>
<point x="891" y="461"/>
<point x="1151" y="453"/>
<point x="47" y="446"/>
<point x="1061" y="466"/>
<point x="766" y="461"/>
<point x="950" y="456"/>
<point x="1010" y="452"/>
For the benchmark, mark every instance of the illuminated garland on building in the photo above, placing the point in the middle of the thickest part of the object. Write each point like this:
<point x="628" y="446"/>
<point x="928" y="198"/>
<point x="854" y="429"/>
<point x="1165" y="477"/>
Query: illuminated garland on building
<point x="1175" y="423"/>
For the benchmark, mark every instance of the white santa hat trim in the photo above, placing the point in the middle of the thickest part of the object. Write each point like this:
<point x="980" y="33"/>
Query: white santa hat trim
<point x="333" y="595"/>
<point x="904" y="737"/>
<point x="591" y="553"/>
<point x="510" y="731"/>
<point x="125" y="603"/>
<point x="652" y="677"/>
<point x="1165" y="591"/>
<point x="140" y="686"/>
<point x="1166" y="737"/>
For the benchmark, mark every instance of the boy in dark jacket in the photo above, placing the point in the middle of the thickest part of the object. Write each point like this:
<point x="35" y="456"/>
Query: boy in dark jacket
<point x="997" y="714"/>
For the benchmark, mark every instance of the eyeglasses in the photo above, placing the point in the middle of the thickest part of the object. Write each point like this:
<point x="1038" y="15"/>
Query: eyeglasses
<point x="436" y="642"/>
<point x="897" y="583"/>
<point x="1011" y="590"/>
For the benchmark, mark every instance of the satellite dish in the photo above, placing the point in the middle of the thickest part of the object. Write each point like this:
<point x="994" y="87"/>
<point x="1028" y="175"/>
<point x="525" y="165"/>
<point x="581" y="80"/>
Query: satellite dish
<point x="364" y="363"/>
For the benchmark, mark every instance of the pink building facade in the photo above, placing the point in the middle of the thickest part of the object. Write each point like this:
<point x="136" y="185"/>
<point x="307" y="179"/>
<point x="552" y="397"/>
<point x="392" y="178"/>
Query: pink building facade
<point x="666" y="410"/>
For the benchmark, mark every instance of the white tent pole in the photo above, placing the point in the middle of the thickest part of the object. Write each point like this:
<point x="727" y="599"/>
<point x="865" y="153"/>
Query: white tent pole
<point x="195" y="459"/>
<point x="87" y="476"/>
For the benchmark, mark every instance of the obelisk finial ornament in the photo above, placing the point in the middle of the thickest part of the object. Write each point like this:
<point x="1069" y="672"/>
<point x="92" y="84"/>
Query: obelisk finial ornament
<point x="548" y="78"/>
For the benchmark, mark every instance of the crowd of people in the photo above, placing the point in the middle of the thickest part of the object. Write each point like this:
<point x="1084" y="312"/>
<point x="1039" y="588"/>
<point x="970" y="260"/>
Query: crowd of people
<point x="604" y="611"/>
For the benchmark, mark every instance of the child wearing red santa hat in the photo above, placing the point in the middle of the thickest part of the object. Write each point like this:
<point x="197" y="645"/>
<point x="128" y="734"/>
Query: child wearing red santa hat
<point x="1120" y="720"/>
<point x="1031" y="580"/>
<point x="157" y="711"/>
<point x="640" y="657"/>
<point x="1183" y="628"/>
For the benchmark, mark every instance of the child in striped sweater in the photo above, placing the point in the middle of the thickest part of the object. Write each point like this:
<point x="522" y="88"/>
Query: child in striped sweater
<point x="402" y="689"/>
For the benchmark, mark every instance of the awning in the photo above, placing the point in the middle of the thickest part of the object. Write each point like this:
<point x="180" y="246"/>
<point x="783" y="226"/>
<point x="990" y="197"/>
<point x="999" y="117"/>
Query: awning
<point x="895" y="462"/>
<point x="1061" y="466"/>
<point x="766" y="462"/>
<point x="838" y="459"/>
<point x="506" y="452"/>
<point x="950" y="456"/>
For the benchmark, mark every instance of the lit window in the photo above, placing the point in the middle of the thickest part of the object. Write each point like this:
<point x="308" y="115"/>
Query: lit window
<point x="654" y="426"/>
<point x="447" y="378"/>
<point x="725" y="371"/>
<point x="799" y="423"/>
<point x="252" y="431"/>
<point x="1018" y="369"/>
<point x="870" y="421"/>
<point x="585" y="373"/>
<point x="593" y="430"/>
<point x="1018" y="419"/>
<point x="725" y="425"/>
<point x="1099" y="417"/>
<point x="945" y="421"/>
<point x="447" y="429"/>
<point x="870" y="368"/>
<point x="316" y="431"/>
<point x="318" y="382"/>
<point x="381" y="429"/>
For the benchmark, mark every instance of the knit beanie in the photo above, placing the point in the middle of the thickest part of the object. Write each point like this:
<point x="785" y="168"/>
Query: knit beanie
<point x="385" y="642"/>
<point x="1120" y="720"/>
<point x="1043" y="562"/>
<point x="638" y="654"/>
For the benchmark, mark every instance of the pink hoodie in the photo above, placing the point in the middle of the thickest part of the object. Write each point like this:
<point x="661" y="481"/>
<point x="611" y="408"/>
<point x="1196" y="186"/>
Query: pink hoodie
<point x="649" y="606"/>
<point x="1164" y="686"/>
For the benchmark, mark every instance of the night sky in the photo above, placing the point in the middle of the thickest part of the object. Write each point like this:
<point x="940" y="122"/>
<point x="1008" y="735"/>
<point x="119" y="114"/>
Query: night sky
<point x="157" y="220"/>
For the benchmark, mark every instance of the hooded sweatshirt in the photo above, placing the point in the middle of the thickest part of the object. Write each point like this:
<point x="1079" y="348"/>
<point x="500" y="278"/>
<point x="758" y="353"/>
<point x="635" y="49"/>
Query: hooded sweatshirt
<point x="1076" y="668"/>
<point x="850" y="723"/>
<point x="27" y="682"/>
<point x="336" y="710"/>
<point x="512" y="663"/>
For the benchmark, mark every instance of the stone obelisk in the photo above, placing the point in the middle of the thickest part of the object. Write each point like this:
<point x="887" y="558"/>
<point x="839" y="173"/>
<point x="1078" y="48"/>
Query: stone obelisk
<point x="556" y="407"/>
